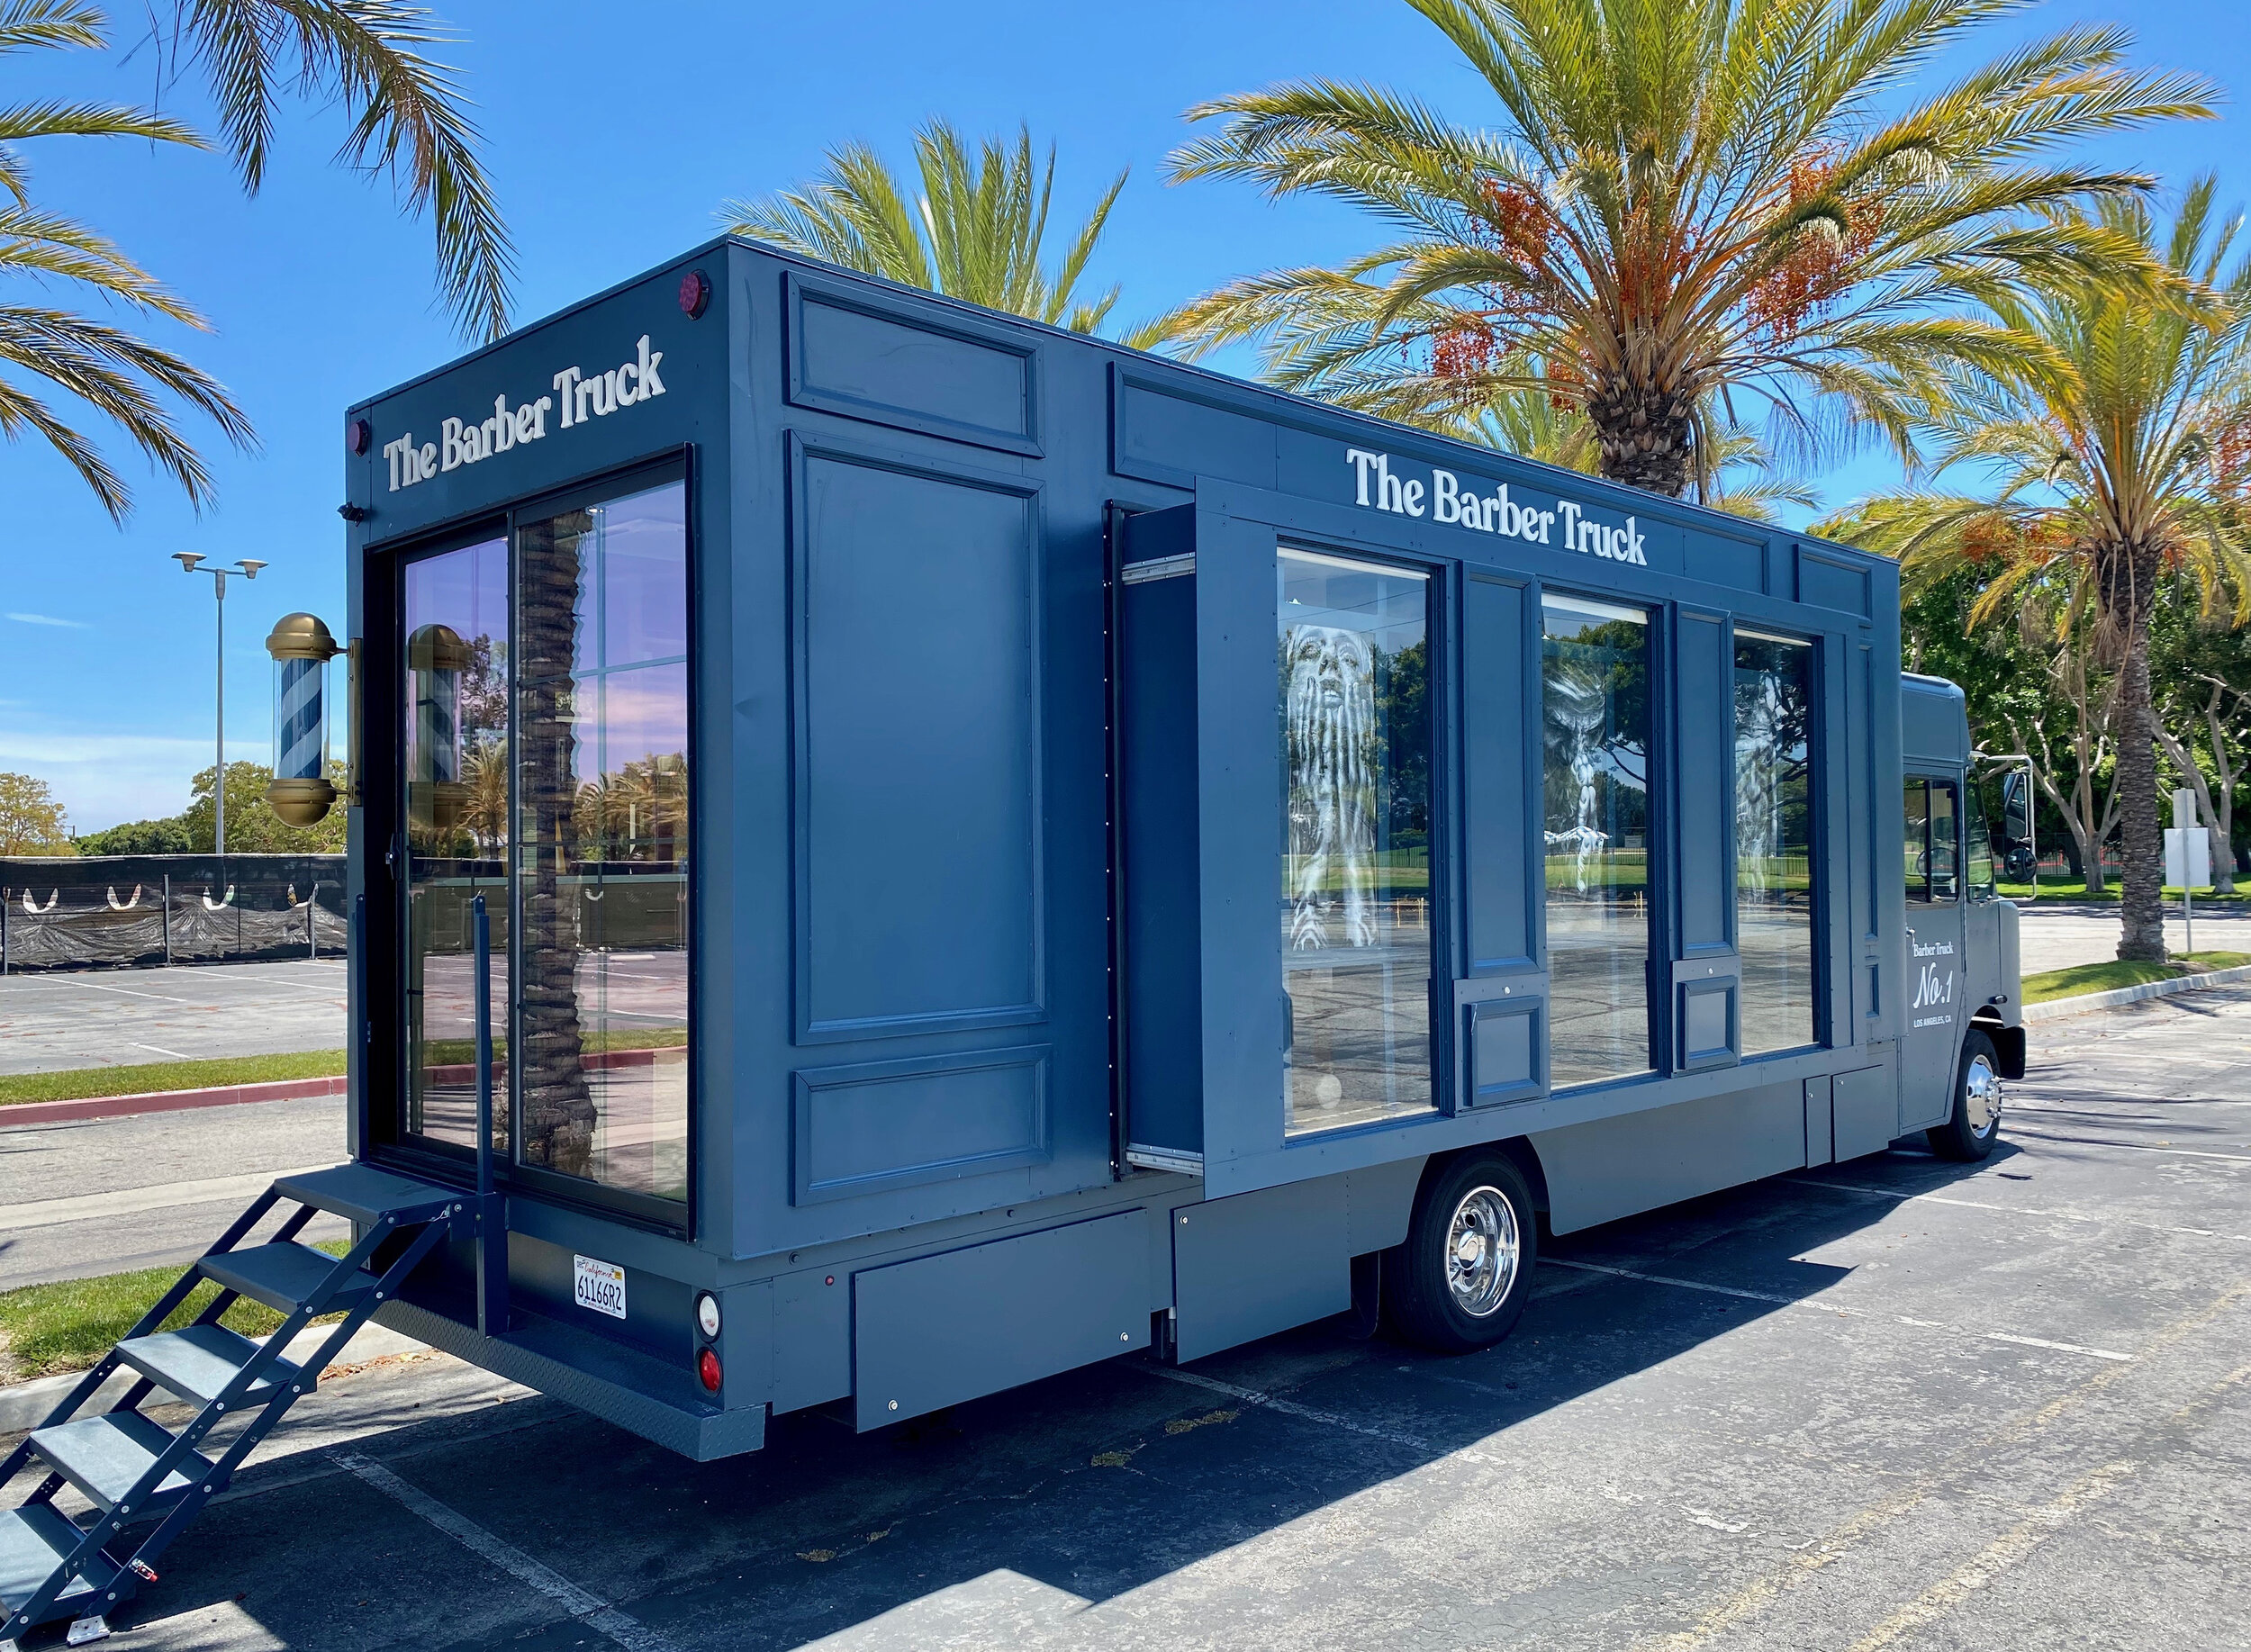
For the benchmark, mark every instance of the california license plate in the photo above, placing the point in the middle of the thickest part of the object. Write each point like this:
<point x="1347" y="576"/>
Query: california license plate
<point x="599" y="1285"/>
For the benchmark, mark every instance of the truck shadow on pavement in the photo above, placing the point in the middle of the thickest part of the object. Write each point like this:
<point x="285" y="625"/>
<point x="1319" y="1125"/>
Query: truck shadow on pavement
<point x="1019" y="1508"/>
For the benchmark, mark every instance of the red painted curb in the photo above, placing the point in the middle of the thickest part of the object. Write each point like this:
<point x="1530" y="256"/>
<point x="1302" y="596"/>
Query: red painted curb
<point x="167" y="1101"/>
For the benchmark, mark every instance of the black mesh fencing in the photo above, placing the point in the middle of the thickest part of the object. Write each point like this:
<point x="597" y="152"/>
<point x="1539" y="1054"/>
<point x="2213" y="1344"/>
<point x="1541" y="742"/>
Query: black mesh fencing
<point x="126" y="910"/>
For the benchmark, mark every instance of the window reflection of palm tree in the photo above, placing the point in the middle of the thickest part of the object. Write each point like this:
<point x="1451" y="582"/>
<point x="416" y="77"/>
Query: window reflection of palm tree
<point x="485" y="815"/>
<point x="638" y="813"/>
<point x="558" y="1109"/>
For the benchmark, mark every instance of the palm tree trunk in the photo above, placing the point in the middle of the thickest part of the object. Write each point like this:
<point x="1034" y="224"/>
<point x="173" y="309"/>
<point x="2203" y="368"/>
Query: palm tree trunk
<point x="2128" y="576"/>
<point x="1646" y="434"/>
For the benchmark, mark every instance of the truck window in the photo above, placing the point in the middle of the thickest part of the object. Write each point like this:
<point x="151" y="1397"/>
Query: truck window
<point x="1595" y="685"/>
<point x="1356" y="930"/>
<point x="1774" y="840"/>
<point x="1981" y="848"/>
<point x="1933" y="841"/>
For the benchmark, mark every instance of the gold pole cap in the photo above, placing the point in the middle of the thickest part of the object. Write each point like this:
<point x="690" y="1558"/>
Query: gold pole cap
<point x="437" y="648"/>
<point x="301" y="802"/>
<point x="301" y="636"/>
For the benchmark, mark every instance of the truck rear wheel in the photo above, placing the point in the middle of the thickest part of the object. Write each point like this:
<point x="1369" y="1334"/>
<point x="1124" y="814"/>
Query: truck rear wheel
<point x="1459" y="1281"/>
<point x="1970" y="1131"/>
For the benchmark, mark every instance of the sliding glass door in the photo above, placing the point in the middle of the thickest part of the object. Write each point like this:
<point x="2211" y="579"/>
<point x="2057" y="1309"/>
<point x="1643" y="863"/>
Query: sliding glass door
<point x="454" y="719"/>
<point x="601" y="858"/>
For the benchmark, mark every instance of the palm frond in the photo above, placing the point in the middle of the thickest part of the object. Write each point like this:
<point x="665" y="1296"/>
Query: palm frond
<point x="410" y="119"/>
<point x="976" y="230"/>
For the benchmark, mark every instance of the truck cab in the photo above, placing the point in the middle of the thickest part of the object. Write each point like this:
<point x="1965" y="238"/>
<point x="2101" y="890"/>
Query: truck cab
<point x="1962" y="1023"/>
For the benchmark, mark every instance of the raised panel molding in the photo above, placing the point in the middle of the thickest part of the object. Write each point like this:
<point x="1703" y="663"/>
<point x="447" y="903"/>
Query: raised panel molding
<point x="910" y="367"/>
<point x="875" y="1126"/>
<point x="919" y="888"/>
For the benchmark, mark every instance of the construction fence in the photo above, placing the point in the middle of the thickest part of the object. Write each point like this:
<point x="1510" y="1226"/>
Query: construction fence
<point x="128" y="910"/>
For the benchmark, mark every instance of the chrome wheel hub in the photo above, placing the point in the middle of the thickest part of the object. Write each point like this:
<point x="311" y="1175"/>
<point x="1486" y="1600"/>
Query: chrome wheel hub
<point x="1981" y="1096"/>
<point x="1483" y="1251"/>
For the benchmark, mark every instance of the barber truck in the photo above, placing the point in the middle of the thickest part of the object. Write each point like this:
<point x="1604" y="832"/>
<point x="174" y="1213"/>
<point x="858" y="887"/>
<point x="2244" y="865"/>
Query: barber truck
<point x="895" y="851"/>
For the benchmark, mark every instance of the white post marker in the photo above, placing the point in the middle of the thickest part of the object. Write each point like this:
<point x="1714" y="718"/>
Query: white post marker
<point x="2188" y="857"/>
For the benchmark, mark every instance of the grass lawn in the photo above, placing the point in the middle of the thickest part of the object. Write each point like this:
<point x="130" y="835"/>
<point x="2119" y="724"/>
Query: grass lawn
<point x="67" y="1326"/>
<point x="2076" y="889"/>
<point x="78" y="1083"/>
<point x="2104" y="976"/>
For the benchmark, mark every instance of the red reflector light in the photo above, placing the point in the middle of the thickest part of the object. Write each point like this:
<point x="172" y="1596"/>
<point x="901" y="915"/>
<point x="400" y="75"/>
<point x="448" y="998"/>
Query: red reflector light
<point x="708" y="1369"/>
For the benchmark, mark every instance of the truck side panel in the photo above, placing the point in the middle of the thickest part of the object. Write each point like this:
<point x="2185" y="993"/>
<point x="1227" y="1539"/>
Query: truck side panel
<point x="1635" y="1161"/>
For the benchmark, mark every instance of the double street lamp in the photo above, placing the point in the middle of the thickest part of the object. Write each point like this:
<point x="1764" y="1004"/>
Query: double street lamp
<point x="248" y="568"/>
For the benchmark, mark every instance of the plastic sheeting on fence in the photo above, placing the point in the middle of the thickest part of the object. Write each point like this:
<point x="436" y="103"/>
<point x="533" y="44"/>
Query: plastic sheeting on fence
<point x="119" y="911"/>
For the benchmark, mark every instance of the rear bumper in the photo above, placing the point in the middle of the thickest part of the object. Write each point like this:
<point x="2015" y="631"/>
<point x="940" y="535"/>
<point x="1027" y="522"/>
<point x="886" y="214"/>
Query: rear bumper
<point x="596" y="1374"/>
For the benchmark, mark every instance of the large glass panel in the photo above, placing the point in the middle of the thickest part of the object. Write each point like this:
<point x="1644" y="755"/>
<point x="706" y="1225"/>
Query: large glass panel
<point x="1774" y="840"/>
<point x="603" y="843"/>
<point x="455" y="716"/>
<point x="1595" y="683"/>
<point x="1354" y="701"/>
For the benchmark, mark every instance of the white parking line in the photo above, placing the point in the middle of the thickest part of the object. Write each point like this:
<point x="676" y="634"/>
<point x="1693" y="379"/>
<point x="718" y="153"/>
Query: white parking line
<point x="325" y="989"/>
<point x="129" y="992"/>
<point x="588" y="1609"/>
<point x="2017" y="1210"/>
<point x="161" y="1049"/>
<point x="1825" y="1307"/>
<point x="2137" y="1147"/>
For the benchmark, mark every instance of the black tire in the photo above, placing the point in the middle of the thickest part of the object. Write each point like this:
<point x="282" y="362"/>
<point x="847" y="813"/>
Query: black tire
<point x="1438" y="1305"/>
<point x="1974" y="1126"/>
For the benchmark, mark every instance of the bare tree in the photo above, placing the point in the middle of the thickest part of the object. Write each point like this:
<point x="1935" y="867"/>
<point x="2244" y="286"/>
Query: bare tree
<point x="2088" y="744"/>
<point x="2223" y="707"/>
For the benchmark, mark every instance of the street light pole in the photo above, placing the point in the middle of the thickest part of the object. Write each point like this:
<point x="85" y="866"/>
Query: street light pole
<point x="248" y="568"/>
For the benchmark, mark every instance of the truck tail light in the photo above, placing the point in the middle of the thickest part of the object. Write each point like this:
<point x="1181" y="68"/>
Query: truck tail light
<point x="708" y="1370"/>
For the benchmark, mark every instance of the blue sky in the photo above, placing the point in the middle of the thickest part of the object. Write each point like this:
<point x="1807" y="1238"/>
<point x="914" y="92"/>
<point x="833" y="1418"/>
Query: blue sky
<point x="614" y="132"/>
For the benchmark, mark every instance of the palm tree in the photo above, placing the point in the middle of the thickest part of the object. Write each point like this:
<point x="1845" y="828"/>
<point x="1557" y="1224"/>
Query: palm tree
<point x="407" y="121"/>
<point x="2117" y="451"/>
<point x="100" y="363"/>
<point x="1680" y="201"/>
<point x="975" y="231"/>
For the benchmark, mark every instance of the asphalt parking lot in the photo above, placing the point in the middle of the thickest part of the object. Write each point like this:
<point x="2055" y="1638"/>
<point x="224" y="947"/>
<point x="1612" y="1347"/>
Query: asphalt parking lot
<point x="64" y="1019"/>
<point x="1897" y="1403"/>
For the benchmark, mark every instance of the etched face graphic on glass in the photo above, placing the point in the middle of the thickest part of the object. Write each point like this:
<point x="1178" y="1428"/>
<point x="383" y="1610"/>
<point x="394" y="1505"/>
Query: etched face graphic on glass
<point x="1352" y="666"/>
<point x="1331" y="711"/>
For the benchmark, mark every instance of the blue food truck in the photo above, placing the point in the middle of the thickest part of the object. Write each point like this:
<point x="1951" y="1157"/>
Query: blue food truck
<point x="895" y="851"/>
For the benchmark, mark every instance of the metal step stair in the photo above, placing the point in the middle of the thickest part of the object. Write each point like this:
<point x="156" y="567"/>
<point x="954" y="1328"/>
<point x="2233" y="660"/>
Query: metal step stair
<point x="131" y="1468"/>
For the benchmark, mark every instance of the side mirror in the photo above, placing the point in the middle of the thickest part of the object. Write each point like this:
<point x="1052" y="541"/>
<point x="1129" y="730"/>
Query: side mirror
<point x="2016" y="807"/>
